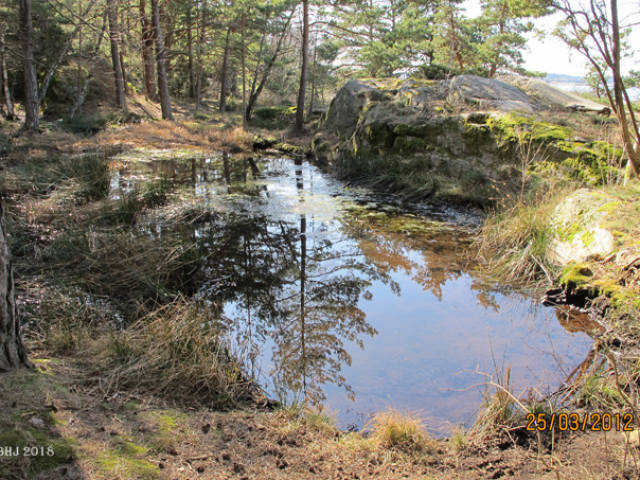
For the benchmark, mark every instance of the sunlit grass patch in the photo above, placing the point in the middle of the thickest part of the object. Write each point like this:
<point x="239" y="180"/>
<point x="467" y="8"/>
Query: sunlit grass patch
<point x="172" y="136"/>
<point x="83" y="177"/>
<point x="393" y="429"/>
<point x="177" y="350"/>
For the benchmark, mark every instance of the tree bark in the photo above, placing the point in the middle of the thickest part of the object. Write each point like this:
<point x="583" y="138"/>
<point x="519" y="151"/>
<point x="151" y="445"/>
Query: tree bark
<point x="31" y="119"/>
<point x="124" y="72"/>
<point x="147" y="54"/>
<point x="200" y="17"/>
<point x="5" y="81"/>
<point x="305" y="65"/>
<point x="313" y="75"/>
<point x="192" y="73"/>
<point x="258" y="61"/>
<point x="631" y="146"/>
<point x="253" y="97"/>
<point x="225" y="73"/>
<point x="454" y="44"/>
<point x="82" y="90"/>
<point x="13" y="353"/>
<point x="244" y="83"/>
<point x="115" y="56"/>
<point x="165" y="100"/>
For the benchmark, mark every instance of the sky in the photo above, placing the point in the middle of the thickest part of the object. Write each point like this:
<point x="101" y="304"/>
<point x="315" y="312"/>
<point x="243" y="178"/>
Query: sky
<point x="551" y="55"/>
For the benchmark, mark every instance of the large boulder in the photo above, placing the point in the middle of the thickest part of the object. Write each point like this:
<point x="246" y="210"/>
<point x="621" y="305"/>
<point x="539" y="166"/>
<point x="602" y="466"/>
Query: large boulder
<point x="467" y="136"/>
<point x="345" y="108"/>
<point x="487" y="93"/>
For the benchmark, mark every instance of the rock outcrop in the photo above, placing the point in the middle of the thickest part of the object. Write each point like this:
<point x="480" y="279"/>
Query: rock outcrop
<point x="464" y="135"/>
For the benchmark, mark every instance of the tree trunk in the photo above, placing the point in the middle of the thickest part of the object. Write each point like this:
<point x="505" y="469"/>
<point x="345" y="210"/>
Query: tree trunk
<point x="192" y="72"/>
<point x="305" y="65"/>
<point x="115" y="56"/>
<point x="165" y="101"/>
<point x="124" y="72"/>
<point x="244" y="83"/>
<point x="147" y="54"/>
<point x="253" y="97"/>
<point x="13" y="353"/>
<point x="631" y="145"/>
<point x="313" y="75"/>
<point x="496" y="60"/>
<point x="5" y="81"/>
<point x="31" y="119"/>
<point x="82" y="90"/>
<point x="454" y="44"/>
<point x="225" y="73"/>
<point x="201" y="28"/>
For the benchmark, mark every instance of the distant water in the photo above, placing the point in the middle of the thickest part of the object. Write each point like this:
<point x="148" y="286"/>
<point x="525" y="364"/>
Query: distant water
<point x="634" y="93"/>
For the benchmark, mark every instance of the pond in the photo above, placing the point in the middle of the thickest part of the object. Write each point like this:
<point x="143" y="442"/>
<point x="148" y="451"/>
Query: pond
<point x="355" y="300"/>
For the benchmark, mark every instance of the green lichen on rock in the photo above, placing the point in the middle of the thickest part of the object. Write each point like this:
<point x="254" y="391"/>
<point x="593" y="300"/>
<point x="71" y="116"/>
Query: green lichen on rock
<point x="587" y="238"/>
<point x="568" y="231"/>
<point x="409" y="145"/>
<point x="576" y="275"/>
<point x="578" y="223"/>
<point x="388" y="118"/>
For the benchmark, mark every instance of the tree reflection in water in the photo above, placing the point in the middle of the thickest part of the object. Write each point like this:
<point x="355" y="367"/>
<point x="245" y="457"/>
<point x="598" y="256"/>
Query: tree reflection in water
<point x="295" y="282"/>
<point x="276" y="284"/>
<point x="291" y="256"/>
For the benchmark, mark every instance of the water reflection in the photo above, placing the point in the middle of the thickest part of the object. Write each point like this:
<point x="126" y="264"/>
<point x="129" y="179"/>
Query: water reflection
<point x="307" y="275"/>
<point x="273" y="283"/>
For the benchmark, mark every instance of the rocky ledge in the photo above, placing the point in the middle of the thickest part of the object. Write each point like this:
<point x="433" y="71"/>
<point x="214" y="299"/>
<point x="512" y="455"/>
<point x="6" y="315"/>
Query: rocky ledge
<point x="462" y="138"/>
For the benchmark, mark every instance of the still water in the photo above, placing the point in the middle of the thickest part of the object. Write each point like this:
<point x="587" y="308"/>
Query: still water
<point x="354" y="300"/>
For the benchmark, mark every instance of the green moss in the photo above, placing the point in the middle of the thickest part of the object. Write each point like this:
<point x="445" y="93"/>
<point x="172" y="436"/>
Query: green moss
<point x="26" y="436"/>
<point x="116" y="463"/>
<point x="131" y="449"/>
<point x="609" y="207"/>
<point x="290" y="149"/>
<point x="505" y="127"/>
<point x="168" y="420"/>
<point x="569" y="231"/>
<point x="576" y="274"/>
<point x="546" y="132"/>
<point x="477" y="137"/>
<point x="409" y="130"/>
<point x="269" y="113"/>
<point x="587" y="238"/>
<point x="513" y="128"/>
<point x="132" y="404"/>
<point x="409" y="145"/>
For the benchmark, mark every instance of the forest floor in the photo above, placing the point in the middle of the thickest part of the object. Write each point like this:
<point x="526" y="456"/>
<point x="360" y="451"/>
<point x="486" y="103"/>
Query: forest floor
<point x="98" y="431"/>
<point x="95" y="435"/>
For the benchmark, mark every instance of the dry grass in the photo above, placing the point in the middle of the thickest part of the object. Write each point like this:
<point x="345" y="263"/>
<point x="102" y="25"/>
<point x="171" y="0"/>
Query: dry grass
<point x="178" y="350"/>
<point x="498" y="404"/>
<point x="393" y="429"/>
<point x="170" y="135"/>
<point x="512" y="244"/>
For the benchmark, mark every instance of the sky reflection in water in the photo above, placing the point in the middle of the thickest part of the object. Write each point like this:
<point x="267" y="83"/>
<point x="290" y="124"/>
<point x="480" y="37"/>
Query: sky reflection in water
<point x="353" y="302"/>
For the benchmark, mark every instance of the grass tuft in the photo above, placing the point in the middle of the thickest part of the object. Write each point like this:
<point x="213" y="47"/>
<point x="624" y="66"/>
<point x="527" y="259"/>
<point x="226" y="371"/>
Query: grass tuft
<point x="393" y="429"/>
<point x="177" y="350"/>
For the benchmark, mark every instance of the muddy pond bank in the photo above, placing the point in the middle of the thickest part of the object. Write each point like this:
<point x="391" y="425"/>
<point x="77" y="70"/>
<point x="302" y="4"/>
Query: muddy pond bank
<point x="350" y="299"/>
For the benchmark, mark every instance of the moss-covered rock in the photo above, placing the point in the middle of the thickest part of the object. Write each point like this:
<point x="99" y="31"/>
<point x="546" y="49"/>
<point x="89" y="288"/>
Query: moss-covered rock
<point x="578" y="225"/>
<point x="492" y="144"/>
